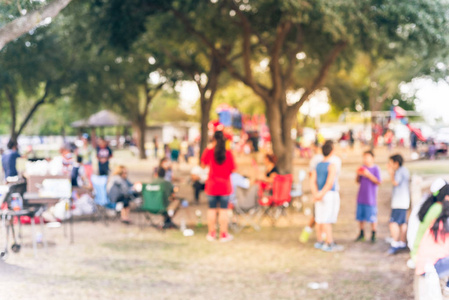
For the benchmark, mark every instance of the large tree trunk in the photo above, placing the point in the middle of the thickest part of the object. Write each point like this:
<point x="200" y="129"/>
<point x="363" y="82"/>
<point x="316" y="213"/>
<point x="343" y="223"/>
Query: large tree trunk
<point x="280" y="124"/>
<point x="13" y="112"/>
<point x="140" y="129"/>
<point x="205" y="117"/>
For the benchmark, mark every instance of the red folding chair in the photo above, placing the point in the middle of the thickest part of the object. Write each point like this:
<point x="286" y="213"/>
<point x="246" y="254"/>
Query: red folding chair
<point x="275" y="200"/>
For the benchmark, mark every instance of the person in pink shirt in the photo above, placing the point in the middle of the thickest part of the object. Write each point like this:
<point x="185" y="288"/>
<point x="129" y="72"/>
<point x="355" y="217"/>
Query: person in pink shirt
<point x="434" y="247"/>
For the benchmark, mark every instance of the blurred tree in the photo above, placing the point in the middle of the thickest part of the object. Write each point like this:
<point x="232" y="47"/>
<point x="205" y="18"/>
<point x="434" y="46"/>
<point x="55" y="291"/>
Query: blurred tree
<point x="126" y="84"/>
<point x="299" y="43"/>
<point x="125" y="81"/>
<point x="165" y="108"/>
<point x="33" y="71"/>
<point x="238" y="95"/>
<point x="26" y="21"/>
<point x="289" y="45"/>
<point x="165" y="33"/>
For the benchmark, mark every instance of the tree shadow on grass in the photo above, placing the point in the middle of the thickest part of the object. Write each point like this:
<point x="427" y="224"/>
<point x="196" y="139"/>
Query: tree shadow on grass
<point x="8" y="269"/>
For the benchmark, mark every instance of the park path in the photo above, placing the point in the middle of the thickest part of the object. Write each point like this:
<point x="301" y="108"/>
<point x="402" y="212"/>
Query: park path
<point x="117" y="262"/>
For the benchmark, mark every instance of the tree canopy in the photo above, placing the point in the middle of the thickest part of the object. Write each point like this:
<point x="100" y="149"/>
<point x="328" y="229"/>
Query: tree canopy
<point x="358" y="50"/>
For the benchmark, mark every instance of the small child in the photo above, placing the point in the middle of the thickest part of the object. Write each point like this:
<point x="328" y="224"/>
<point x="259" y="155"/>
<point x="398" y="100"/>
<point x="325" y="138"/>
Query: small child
<point x="400" y="202"/>
<point x="327" y="200"/>
<point x="368" y="176"/>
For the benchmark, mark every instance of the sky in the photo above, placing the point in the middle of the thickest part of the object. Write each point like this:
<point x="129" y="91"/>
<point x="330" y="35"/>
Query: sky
<point x="432" y="98"/>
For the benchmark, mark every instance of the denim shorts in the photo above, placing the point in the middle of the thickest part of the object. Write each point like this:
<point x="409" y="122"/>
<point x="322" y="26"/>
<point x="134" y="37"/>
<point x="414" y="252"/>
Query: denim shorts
<point x="398" y="216"/>
<point x="214" y="201"/>
<point x="366" y="213"/>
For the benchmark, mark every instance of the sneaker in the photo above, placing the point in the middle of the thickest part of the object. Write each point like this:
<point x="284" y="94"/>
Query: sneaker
<point x="226" y="238"/>
<point x="373" y="239"/>
<point x="211" y="237"/>
<point x="332" y="248"/>
<point x="393" y="250"/>
<point x="318" y="245"/>
<point x="360" y="238"/>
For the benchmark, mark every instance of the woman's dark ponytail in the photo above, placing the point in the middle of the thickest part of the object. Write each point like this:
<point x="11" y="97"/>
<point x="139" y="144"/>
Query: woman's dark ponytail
<point x="426" y="206"/>
<point x="220" y="147"/>
<point x="444" y="218"/>
<point x="431" y="200"/>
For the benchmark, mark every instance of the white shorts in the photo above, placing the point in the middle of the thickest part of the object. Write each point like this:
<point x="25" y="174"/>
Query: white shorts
<point x="326" y="210"/>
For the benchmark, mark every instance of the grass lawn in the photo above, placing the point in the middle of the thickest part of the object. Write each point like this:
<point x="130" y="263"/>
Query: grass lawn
<point x="126" y="262"/>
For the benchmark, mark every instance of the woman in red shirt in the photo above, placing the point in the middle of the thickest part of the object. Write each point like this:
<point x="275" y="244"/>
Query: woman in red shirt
<point x="218" y="186"/>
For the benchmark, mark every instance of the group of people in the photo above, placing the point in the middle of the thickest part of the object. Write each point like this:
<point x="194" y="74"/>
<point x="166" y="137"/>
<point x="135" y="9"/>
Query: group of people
<point x="324" y="172"/>
<point x="175" y="149"/>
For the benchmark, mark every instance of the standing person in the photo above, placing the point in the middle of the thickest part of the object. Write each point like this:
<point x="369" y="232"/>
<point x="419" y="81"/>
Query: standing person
<point x="156" y="146"/>
<point x="351" y="138"/>
<point x="400" y="202"/>
<point x="327" y="200"/>
<point x="86" y="151"/>
<point x="388" y="137"/>
<point x="175" y="148"/>
<point x="190" y="152"/>
<point x="67" y="158"/>
<point x="104" y="154"/>
<point x="368" y="176"/>
<point x="9" y="160"/>
<point x="218" y="185"/>
<point x="316" y="159"/>
<point x="413" y="141"/>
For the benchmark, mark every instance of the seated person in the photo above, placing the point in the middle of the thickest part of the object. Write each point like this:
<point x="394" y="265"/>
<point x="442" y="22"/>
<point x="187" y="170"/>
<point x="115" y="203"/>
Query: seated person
<point x="78" y="175"/>
<point x="165" y="164"/>
<point x="271" y="172"/>
<point x="120" y="189"/>
<point x="199" y="176"/>
<point x="271" y="168"/>
<point x="169" y="194"/>
<point x="238" y="181"/>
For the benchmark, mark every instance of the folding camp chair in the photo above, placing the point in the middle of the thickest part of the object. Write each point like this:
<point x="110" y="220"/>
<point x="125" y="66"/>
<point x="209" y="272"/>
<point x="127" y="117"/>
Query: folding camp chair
<point x="155" y="203"/>
<point x="275" y="205"/>
<point x="246" y="208"/>
<point x="102" y="202"/>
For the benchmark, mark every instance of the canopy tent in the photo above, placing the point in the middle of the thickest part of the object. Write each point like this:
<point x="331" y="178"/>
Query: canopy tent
<point x="104" y="118"/>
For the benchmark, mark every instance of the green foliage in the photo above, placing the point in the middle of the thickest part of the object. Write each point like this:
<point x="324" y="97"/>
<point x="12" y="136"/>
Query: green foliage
<point x="33" y="71"/>
<point x="238" y="95"/>
<point x="54" y="119"/>
<point x="165" y="108"/>
<point x="11" y="9"/>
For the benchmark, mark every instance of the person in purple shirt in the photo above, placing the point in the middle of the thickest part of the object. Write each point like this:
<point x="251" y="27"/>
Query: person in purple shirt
<point x="368" y="176"/>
